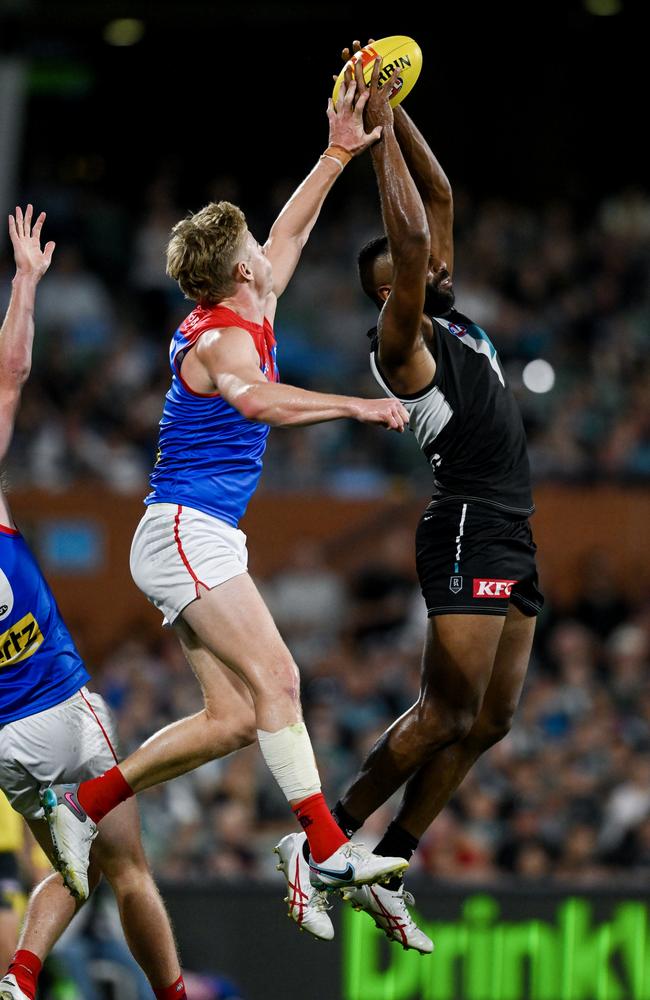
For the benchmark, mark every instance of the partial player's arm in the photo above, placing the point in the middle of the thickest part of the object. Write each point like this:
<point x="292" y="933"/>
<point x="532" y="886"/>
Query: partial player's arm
<point x="433" y="185"/>
<point x="430" y="179"/>
<point x="17" y="331"/>
<point x="400" y="321"/>
<point x="291" y="229"/>
<point x="232" y="365"/>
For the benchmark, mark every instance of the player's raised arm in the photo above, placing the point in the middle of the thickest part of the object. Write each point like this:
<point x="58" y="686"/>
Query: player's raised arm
<point x="430" y="179"/>
<point x="17" y="331"/>
<point x="406" y="228"/>
<point x="347" y="138"/>
<point x="433" y="185"/>
<point x="232" y="363"/>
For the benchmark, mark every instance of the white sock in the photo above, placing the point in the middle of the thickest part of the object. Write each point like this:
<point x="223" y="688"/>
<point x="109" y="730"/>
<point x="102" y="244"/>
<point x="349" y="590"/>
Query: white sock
<point x="290" y="759"/>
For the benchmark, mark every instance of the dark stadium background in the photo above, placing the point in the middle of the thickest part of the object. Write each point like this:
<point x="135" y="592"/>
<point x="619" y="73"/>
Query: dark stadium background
<point x="536" y="110"/>
<point x="527" y="99"/>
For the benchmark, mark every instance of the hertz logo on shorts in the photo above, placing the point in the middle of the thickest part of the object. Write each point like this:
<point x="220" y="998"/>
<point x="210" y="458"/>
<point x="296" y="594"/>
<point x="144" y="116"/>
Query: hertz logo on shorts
<point x="20" y="641"/>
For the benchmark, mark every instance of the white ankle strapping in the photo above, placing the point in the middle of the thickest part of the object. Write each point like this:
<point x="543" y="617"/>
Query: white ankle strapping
<point x="290" y="759"/>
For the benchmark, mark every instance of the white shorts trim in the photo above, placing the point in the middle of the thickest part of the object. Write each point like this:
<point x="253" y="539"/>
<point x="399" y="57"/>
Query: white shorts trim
<point x="69" y="742"/>
<point x="177" y="549"/>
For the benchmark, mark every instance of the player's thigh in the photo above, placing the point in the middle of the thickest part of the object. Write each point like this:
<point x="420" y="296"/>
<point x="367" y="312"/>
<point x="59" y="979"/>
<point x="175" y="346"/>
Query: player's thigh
<point x="510" y="663"/>
<point x="459" y="656"/>
<point x="41" y="832"/>
<point x="234" y="623"/>
<point x="223" y="690"/>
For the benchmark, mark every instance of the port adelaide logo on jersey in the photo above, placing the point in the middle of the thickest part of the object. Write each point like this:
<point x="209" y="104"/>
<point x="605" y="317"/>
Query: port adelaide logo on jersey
<point x="455" y="584"/>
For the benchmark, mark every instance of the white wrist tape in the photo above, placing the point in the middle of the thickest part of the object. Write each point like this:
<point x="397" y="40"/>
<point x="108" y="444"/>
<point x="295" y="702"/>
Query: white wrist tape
<point x="290" y="759"/>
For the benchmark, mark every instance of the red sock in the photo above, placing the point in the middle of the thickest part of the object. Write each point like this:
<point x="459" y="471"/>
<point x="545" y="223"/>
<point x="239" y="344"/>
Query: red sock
<point x="174" y="992"/>
<point x="26" y="967"/>
<point x="99" y="795"/>
<point x="323" y="834"/>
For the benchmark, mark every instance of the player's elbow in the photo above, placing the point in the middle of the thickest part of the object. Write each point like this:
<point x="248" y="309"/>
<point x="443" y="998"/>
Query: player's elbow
<point x="256" y="406"/>
<point x="250" y="405"/>
<point x="416" y="240"/>
<point x="15" y="372"/>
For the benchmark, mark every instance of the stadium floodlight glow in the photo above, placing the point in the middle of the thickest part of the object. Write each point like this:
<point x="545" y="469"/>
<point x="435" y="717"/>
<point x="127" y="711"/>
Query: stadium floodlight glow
<point x="124" y="31"/>
<point x="538" y="376"/>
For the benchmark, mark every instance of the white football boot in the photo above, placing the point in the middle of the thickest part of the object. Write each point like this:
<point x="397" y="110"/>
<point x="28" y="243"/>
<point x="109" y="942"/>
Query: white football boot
<point x="388" y="908"/>
<point x="353" y="864"/>
<point x="72" y="831"/>
<point x="10" y="990"/>
<point x="307" y="906"/>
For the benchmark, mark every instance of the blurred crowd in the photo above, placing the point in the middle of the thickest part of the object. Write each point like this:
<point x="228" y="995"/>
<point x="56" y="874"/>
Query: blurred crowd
<point x="567" y="285"/>
<point x="566" y="796"/>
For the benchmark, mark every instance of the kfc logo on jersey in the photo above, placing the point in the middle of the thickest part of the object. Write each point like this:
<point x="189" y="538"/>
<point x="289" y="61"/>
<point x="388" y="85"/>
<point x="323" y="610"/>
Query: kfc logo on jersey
<point x="492" y="588"/>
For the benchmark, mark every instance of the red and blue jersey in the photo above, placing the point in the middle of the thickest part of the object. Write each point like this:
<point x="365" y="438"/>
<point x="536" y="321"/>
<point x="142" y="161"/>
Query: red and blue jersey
<point x="209" y="455"/>
<point x="39" y="663"/>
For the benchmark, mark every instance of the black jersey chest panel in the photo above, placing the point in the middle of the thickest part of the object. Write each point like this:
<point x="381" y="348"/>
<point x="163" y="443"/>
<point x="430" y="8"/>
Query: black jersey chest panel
<point x="478" y="451"/>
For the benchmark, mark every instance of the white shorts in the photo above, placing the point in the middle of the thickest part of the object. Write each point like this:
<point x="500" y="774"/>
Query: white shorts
<point x="177" y="549"/>
<point x="70" y="742"/>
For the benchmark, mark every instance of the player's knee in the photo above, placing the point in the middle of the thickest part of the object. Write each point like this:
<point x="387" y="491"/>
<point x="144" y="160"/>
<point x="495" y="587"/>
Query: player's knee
<point x="234" y="733"/>
<point x="492" y="728"/>
<point x="441" y="723"/>
<point x="284" y="682"/>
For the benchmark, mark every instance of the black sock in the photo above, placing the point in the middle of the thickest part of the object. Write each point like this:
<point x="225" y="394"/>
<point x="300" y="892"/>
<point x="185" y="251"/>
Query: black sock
<point x="348" y="824"/>
<point x="396" y="843"/>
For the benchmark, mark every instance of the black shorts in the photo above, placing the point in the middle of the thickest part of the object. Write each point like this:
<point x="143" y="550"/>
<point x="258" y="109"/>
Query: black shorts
<point x="473" y="559"/>
<point x="9" y="879"/>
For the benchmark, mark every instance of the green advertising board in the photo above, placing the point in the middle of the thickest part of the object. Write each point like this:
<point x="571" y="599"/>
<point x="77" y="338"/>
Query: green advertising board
<point x="480" y="955"/>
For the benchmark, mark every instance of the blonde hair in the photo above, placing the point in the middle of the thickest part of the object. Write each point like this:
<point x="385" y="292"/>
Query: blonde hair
<point x="203" y="251"/>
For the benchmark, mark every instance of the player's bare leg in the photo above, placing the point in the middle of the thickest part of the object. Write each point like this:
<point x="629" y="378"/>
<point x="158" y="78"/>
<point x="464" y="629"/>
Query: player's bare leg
<point x="233" y="622"/>
<point x="226" y="723"/>
<point x="228" y="626"/>
<point x="49" y="911"/>
<point x="119" y="854"/>
<point x="432" y="785"/>
<point x="459" y="654"/>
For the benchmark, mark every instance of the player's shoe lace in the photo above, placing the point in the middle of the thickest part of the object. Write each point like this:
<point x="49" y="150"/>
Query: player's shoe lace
<point x="353" y="864"/>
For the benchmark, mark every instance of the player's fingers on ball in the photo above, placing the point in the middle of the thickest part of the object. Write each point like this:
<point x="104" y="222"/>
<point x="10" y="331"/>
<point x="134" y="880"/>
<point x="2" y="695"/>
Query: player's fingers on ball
<point x="376" y="70"/>
<point x="362" y="100"/>
<point x="358" y="75"/>
<point x="345" y="54"/>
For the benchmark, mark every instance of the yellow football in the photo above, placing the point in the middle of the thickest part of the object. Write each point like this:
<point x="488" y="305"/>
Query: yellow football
<point x="402" y="59"/>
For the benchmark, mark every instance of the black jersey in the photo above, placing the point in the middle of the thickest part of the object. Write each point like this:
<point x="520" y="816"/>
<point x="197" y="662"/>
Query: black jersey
<point x="467" y="421"/>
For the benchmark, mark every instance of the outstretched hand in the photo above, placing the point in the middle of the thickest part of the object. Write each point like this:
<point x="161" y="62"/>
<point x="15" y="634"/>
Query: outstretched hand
<point x="26" y="241"/>
<point x="346" y="117"/>
<point x="378" y="112"/>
